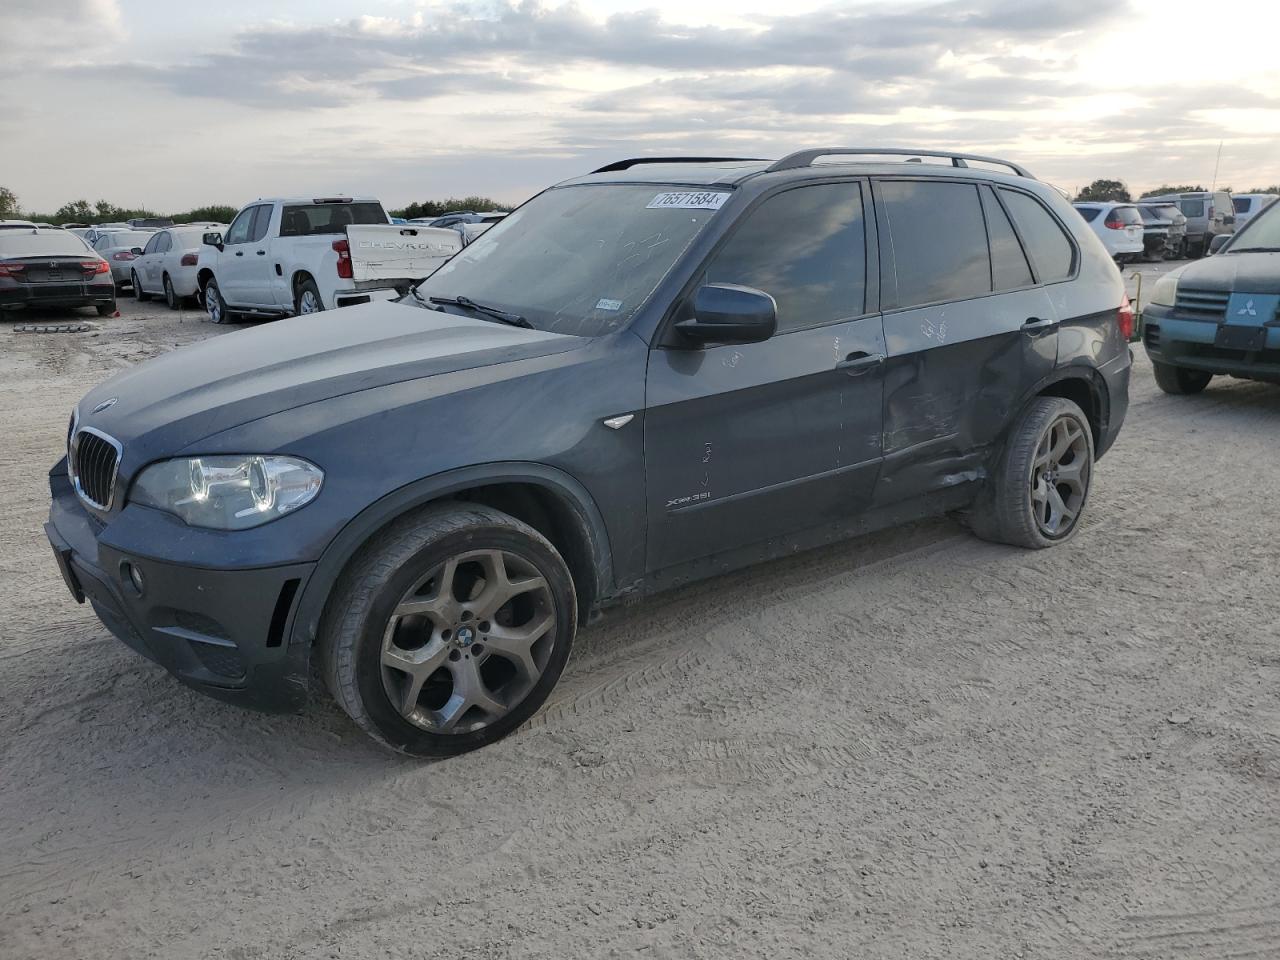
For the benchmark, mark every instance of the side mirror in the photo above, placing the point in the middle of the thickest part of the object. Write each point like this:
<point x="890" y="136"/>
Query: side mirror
<point x="136" y="251"/>
<point x="213" y="239"/>
<point x="1218" y="242"/>
<point x="728" y="313"/>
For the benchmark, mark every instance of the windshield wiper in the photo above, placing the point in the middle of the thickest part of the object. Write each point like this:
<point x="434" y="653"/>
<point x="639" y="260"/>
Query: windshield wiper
<point x="514" y="319"/>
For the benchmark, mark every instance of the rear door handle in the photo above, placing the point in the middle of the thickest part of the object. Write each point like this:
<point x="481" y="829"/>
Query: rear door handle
<point x="239" y="253"/>
<point x="1037" y="323"/>
<point x="262" y="253"/>
<point x="858" y="363"/>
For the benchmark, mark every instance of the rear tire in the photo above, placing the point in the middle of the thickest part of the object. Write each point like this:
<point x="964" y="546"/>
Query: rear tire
<point x="1040" y="488"/>
<point x="214" y="305"/>
<point x="448" y="630"/>
<point x="138" y="293"/>
<point x="171" y="298"/>
<point x="106" y="309"/>
<point x="1179" y="380"/>
<point x="307" y="299"/>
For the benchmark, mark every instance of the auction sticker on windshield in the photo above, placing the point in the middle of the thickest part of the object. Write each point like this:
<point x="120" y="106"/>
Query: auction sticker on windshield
<point x="707" y="200"/>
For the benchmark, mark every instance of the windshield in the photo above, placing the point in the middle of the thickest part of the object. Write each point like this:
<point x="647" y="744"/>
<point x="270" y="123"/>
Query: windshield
<point x="1261" y="232"/>
<point x="578" y="260"/>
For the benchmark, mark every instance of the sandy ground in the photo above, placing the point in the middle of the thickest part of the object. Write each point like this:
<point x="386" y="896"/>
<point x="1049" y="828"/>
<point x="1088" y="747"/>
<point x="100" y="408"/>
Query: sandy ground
<point x="916" y="745"/>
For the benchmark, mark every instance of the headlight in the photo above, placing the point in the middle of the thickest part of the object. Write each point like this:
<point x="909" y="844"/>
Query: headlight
<point x="228" y="493"/>
<point x="1166" y="289"/>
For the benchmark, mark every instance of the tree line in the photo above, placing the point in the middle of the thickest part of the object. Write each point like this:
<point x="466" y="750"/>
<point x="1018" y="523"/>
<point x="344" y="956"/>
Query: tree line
<point x="82" y="211"/>
<point x="1116" y="192"/>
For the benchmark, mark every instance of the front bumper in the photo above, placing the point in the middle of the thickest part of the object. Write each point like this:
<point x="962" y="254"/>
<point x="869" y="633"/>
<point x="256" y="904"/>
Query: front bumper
<point x="223" y="632"/>
<point x="1181" y="342"/>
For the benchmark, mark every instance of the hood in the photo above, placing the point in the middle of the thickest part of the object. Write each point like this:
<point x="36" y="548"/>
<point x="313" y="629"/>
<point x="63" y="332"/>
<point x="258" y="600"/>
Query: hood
<point x="1234" y="272"/>
<point x="228" y="380"/>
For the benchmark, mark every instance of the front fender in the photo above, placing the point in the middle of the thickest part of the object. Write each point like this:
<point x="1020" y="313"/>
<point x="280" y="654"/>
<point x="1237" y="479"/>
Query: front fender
<point x="306" y="623"/>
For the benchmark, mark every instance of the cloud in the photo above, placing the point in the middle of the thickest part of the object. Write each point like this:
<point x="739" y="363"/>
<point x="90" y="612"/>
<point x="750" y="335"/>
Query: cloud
<point x="51" y="32"/>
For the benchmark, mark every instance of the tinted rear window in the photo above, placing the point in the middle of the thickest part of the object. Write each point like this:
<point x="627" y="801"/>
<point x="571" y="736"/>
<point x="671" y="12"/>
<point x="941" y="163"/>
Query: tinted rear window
<point x="1241" y="204"/>
<point x="1051" y="252"/>
<point x="300" y="220"/>
<point x="1192" y="208"/>
<point x="1090" y="214"/>
<point x="44" y="243"/>
<point x="939" y="242"/>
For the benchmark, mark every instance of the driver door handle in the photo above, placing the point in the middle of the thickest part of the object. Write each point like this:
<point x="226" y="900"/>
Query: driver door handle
<point x="262" y="253"/>
<point x="1037" y="323"/>
<point x="860" y="362"/>
<point x="239" y="253"/>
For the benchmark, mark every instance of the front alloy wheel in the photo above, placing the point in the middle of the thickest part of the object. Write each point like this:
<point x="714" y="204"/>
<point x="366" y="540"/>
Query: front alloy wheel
<point x="468" y="642"/>
<point x="448" y="630"/>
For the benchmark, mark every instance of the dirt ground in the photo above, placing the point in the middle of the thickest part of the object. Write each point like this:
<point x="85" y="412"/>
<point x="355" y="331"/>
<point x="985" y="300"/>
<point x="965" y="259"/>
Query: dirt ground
<point x="917" y="745"/>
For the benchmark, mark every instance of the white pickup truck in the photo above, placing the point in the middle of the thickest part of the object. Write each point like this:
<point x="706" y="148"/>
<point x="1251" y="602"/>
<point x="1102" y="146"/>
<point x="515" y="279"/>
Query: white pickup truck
<point x="293" y="256"/>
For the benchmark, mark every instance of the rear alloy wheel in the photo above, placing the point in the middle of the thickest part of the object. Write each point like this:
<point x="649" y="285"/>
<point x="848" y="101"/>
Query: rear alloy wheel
<point x="1038" y="493"/>
<point x="138" y="293"/>
<point x="170" y="297"/>
<point x="1179" y="380"/>
<point x="214" y="305"/>
<point x="449" y="630"/>
<point x="308" y="299"/>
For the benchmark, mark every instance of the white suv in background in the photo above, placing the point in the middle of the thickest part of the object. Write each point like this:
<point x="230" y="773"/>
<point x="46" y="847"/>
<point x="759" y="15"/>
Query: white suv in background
<point x="1118" y="225"/>
<point x="1250" y="204"/>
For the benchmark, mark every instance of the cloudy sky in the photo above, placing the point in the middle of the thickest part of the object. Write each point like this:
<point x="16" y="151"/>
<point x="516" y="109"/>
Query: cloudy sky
<point x="171" y="104"/>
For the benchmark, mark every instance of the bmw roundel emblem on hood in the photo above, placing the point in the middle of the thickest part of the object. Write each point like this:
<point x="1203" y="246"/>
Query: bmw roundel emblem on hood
<point x="104" y="404"/>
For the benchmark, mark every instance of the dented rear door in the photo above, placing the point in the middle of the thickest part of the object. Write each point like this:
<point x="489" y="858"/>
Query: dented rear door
<point x="967" y="331"/>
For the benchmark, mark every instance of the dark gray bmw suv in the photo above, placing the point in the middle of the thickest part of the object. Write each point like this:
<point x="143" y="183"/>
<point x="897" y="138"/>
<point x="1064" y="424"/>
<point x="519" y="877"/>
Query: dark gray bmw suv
<point x="658" y="372"/>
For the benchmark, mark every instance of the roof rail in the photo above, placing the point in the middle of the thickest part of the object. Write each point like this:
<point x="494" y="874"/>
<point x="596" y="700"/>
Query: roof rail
<point x="636" y="161"/>
<point x="805" y="158"/>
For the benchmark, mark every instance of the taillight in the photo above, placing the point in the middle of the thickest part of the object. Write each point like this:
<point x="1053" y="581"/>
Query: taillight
<point x="1211" y="211"/>
<point x="1124" y="319"/>
<point x="1113" y="223"/>
<point x="343" y="250"/>
<point x="124" y="255"/>
<point x="189" y="259"/>
<point x="11" y="269"/>
<point x="94" y="267"/>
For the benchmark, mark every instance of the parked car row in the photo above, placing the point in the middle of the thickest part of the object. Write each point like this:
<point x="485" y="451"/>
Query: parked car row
<point x="1170" y="227"/>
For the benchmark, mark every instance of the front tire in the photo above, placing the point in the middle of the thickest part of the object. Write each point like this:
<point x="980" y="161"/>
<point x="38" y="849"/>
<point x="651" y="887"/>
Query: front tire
<point x="138" y="293"/>
<point x="214" y="305"/>
<point x="1179" y="380"/>
<point x="1038" y="493"/>
<point x="448" y="630"/>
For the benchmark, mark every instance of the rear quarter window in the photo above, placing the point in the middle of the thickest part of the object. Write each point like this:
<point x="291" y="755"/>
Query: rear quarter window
<point x="1191" y="208"/>
<point x="1052" y="252"/>
<point x="1090" y="214"/>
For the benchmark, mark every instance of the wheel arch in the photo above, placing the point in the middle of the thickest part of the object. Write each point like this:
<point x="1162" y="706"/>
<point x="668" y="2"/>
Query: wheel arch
<point x="1085" y="387"/>
<point x="203" y="276"/>
<point x="549" y="500"/>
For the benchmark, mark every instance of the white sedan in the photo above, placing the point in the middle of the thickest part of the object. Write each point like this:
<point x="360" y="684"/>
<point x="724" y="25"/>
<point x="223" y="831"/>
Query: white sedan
<point x="166" y="267"/>
<point x="1118" y="225"/>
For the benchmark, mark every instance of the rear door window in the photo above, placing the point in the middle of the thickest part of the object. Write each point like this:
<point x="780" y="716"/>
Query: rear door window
<point x="937" y="239"/>
<point x="1009" y="267"/>
<point x="806" y="248"/>
<point x="1052" y="252"/>
<point x="312" y="219"/>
